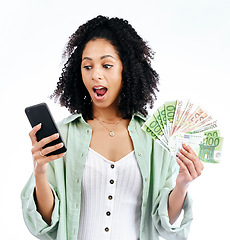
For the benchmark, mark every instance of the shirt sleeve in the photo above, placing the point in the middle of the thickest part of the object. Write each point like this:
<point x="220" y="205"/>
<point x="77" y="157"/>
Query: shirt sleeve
<point x="160" y="206"/>
<point x="33" y="219"/>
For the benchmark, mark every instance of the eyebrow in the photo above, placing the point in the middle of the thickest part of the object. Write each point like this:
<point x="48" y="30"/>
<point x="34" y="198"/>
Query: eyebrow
<point x="105" y="56"/>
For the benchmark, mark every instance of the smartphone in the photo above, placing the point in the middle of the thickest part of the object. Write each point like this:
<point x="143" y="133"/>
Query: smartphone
<point x="40" y="113"/>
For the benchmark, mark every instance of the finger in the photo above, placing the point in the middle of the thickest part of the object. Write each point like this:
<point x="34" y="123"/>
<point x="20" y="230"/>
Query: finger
<point x="54" y="157"/>
<point x="43" y="160"/>
<point x="48" y="150"/>
<point x="182" y="166"/>
<point x="188" y="148"/>
<point x="190" y="154"/>
<point x="33" y="132"/>
<point x="189" y="165"/>
<point x="42" y="153"/>
<point x="39" y="145"/>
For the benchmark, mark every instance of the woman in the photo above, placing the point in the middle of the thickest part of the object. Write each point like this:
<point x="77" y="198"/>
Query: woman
<point x="114" y="182"/>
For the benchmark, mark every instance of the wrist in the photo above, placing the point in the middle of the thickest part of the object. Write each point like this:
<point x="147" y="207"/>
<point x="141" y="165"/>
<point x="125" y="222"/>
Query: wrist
<point x="39" y="175"/>
<point x="181" y="190"/>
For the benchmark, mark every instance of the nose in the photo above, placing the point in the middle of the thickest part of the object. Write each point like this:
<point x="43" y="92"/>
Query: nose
<point x="97" y="74"/>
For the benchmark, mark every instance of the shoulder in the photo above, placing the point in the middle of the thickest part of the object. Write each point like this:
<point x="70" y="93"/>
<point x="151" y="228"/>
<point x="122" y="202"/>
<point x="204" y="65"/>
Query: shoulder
<point x="139" y="118"/>
<point x="69" y="119"/>
<point x="138" y="135"/>
<point x="63" y="125"/>
<point x="158" y="151"/>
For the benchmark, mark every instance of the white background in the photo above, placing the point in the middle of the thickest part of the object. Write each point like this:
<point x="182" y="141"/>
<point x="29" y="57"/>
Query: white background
<point x="191" y="40"/>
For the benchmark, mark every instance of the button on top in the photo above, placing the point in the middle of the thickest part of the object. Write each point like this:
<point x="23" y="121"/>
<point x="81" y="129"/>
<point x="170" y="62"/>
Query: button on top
<point x="106" y="229"/>
<point x="111" y="181"/>
<point x="140" y="154"/>
<point x="108" y="213"/>
<point x="110" y="197"/>
<point x="112" y="166"/>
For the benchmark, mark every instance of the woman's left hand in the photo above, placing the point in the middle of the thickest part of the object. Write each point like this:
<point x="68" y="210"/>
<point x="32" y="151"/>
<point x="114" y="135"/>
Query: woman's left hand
<point x="190" y="166"/>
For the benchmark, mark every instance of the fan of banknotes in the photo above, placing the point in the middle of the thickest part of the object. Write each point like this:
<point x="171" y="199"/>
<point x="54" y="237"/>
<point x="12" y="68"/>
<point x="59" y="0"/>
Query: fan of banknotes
<point x="181" y="121"/>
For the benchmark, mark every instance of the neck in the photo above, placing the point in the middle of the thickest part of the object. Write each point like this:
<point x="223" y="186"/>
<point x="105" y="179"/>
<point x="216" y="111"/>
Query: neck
<point x="107" y="114"/>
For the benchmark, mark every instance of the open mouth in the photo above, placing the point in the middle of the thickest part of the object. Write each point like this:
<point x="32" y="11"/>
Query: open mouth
<point x="100" y="91"/>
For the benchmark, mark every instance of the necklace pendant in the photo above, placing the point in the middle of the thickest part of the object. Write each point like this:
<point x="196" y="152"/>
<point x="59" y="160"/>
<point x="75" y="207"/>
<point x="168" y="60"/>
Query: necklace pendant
<point x="111" y="133"/>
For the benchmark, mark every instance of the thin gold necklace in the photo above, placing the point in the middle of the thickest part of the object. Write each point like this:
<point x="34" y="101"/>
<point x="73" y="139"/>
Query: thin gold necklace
<point x="111" y="132"/>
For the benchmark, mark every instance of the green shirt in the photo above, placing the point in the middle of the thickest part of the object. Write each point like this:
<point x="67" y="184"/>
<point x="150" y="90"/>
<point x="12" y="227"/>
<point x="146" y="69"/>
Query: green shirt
<point x="159" y="171"/>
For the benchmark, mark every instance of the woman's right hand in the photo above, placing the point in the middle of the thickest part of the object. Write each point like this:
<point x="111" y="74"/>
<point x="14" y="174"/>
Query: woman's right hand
<point x="39" y="158"/>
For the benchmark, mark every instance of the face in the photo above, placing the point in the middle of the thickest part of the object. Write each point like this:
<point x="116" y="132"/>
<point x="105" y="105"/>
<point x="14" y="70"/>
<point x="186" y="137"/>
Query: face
<point x="101" y="70"/>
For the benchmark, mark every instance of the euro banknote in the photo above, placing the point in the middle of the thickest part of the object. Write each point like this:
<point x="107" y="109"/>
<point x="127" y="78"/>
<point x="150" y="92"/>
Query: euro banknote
<point x="181" y="121"/>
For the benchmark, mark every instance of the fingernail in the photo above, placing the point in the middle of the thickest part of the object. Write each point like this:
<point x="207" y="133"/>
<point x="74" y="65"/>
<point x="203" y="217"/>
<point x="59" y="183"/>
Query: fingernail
<point x="56" y="135"/>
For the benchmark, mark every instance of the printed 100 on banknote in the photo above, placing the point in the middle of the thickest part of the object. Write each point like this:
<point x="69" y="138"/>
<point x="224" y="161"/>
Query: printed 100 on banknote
<point x="182" y="121"/>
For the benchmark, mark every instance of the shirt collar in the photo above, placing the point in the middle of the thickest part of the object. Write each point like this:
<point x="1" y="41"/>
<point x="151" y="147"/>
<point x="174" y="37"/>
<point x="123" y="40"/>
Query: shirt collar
<point x="72" y="117"/>
<point x="141" y="116"/>
<point x="75" y="116"/>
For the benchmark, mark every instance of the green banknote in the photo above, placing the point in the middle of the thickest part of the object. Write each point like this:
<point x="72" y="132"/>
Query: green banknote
<point x="162" y="113"/>
<point x="154" y="136"/>
<point x="158" y="118"/>
<point x="211" y="148"/>
<point x="153" y="125"/>
<point x="181" y="121"/>
<point x="170" y="108"/>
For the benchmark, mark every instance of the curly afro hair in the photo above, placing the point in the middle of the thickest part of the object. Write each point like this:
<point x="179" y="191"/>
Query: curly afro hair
<point x="139" y="80"/>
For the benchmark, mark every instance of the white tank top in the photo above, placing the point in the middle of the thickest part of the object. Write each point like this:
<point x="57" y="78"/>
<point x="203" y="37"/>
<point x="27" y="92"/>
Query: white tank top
<point x="111" y="198"/>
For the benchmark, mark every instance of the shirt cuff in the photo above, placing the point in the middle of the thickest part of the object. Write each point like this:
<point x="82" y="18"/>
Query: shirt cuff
<point x="186" y="215"/>
<point x="33" y="218"/>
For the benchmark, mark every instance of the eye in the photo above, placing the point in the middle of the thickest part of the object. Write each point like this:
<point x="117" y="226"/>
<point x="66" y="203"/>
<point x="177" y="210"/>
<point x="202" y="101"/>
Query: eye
<point x="107" y="66"/>
<point x="87" y="67"/>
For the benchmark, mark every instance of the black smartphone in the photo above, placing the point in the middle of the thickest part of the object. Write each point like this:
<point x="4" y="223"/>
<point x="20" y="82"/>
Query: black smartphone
<point x="40" y="113"/>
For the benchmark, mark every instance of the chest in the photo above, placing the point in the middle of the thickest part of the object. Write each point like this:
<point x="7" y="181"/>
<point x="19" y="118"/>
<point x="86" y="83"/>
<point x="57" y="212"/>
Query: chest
<point x="111" y="147"/>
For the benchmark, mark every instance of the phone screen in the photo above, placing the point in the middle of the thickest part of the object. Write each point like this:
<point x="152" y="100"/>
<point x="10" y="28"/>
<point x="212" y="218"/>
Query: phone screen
<point x="40" y="113"/>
